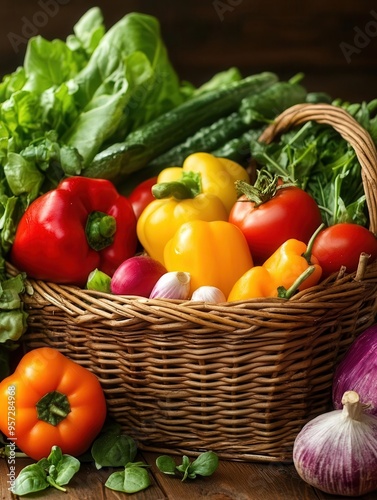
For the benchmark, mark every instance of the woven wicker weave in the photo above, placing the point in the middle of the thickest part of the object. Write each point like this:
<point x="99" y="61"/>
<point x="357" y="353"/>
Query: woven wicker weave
<point x="237" y="378"/>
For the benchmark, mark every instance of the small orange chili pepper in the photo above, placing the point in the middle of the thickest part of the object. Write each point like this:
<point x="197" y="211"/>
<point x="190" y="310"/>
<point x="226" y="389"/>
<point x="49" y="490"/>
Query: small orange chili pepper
<point x="290" y="268"/>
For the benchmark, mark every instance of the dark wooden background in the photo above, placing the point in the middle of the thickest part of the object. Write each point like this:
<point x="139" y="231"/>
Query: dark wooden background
<point x="334" y="42"/>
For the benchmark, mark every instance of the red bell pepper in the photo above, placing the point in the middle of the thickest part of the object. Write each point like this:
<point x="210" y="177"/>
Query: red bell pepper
<point x="68" y="232"/>
<point x="142" y="195"/>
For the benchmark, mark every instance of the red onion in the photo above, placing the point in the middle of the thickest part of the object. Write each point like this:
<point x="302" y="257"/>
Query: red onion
<point x="358" y="371"/>
<point x="337" y="452"/>
<point x="136" y="276"/>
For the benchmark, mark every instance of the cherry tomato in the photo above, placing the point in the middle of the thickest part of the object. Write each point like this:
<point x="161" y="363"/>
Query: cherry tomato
<point x="341" y="245"/>
<point x="142" y="195"/>
<point x="290" y="213"/>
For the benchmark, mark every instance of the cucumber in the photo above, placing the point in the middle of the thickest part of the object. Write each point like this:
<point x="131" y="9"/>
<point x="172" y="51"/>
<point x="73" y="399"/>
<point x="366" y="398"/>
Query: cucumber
<point x="151" y="140"/>
<point x="238" y="149"/>
<point x="205" y="140"/>
<point x="254" y="110"/>
<point x="271" y="102"/>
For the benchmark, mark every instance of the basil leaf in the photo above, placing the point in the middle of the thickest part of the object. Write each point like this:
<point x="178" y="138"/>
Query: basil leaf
<point x="205" y="464"/>
<point x="166" y="464"/>
<point x="135" y="479"/>
<point x="116" y="481"/>
<point x="44" y="463"/>
<point x="32" y="478"/>
<point x="113" y="450"/>
<point x="55" y="456"/>
<point x="66" y="469"/>
<point x="184" y="467"/>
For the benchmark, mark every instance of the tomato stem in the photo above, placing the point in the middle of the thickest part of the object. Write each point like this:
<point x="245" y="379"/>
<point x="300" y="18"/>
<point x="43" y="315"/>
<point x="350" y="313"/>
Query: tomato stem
<point x="264" y="188"/>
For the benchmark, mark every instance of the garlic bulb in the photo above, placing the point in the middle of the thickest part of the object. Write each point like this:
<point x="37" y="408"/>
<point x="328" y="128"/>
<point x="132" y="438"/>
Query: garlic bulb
<point x="208" y="294"/>
<point x="337" y="452"/>
<point x="172" y="285"/>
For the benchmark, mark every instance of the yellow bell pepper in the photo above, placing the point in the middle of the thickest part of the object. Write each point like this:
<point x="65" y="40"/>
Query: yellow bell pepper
<point x="160" y="220"/>
<point x="290" y="268"/>
<point x="214" y="253"/>
<point x="217" y="175"/>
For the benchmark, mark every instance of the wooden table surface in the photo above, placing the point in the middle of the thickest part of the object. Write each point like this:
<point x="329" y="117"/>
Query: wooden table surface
<point x="231" y="481"/>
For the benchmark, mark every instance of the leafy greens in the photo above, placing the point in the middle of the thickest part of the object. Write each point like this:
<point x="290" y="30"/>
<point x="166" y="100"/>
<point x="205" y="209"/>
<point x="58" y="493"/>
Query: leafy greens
<point x="325" y="165"/>
<point x="71" y="97"/>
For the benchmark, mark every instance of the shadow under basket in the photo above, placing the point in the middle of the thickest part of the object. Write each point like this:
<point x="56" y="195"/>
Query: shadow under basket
<point x="238" y="378"/>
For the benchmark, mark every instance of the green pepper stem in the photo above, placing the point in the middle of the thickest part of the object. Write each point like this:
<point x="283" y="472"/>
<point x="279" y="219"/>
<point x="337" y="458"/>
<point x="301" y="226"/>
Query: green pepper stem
<point x="53" y="407"/>
<point x="175" y="189"/>
<point x="185" y="188"/>
<point x="285" y="293"/>
<point x="308" y="252"/>
<point x="100" y="230"/>
<point x="57" y="411"/>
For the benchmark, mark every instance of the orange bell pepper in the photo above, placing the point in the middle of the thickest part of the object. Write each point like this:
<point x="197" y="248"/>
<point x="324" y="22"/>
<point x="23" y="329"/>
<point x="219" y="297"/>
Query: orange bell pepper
<point x="51" y="401"/>
<point x="290" y="268"/>
<point x="214" y="253"/>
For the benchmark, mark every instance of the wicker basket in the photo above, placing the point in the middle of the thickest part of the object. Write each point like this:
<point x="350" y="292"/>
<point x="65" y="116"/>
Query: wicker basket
<point x="237" y="378"/>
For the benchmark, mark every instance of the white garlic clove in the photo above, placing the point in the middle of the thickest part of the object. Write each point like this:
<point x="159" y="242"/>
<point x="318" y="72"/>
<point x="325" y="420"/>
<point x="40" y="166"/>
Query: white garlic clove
<point x="208" y="294"/>
<point x="172" y="285"/>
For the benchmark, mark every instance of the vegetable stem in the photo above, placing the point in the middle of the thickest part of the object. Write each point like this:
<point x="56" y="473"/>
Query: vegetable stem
<point x="288" y="293"/>
<point x="308" y="252"/>
<point x="176" y="189"/>
<point x="352" y="408"/>
<point x="53" y="407"/>
<point x="100" y="230"/>
<point x="58" y="411"/>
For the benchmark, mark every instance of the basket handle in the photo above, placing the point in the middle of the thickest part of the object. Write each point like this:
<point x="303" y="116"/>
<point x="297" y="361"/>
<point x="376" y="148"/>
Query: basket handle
<point x="349" y="129"/>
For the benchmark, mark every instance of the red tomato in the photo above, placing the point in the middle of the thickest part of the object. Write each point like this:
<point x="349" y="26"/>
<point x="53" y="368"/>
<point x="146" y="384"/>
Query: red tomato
<point x="291" y="213"/>
<point x="142" y="195"/>
<point x="341" y="245"/>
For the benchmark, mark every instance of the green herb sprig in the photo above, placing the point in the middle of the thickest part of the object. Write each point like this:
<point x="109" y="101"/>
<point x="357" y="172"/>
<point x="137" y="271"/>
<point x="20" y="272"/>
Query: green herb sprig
<point x="56" y="470"/>
<point x="204" y="465"/>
